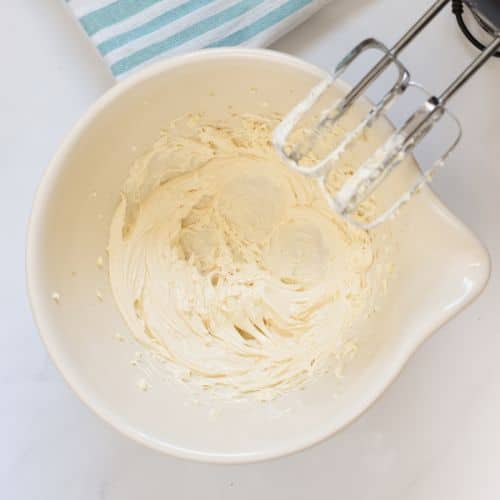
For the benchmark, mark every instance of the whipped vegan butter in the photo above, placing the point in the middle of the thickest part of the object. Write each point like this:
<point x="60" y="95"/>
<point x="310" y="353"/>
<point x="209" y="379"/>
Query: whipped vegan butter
<point x="232" y="268"/>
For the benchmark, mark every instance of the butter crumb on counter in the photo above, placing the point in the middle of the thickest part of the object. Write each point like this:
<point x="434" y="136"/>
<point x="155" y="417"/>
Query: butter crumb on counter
<point x="143" y="385"/>
<point x="56" y="297"/>
<point x="119" y="337"/>
<point x="136" y="359"/>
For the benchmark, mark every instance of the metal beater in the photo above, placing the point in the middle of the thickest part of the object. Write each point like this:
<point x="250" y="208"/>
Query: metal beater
<point x="403" y="141"/>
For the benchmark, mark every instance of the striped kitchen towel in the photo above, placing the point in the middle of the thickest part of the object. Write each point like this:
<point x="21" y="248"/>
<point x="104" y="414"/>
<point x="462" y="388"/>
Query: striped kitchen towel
<point x="131" y="33"/>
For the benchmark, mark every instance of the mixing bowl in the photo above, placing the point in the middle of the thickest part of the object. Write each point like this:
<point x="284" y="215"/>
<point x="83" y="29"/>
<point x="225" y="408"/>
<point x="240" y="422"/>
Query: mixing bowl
<point x="441" y="267"/>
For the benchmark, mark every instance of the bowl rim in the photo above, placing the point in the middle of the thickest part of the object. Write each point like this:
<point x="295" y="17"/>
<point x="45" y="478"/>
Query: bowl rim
<point x="34" y="236"/>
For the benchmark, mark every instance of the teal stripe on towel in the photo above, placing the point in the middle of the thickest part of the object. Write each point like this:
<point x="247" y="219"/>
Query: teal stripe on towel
<point x="153" y="25"/>
<point x="113" y="13"/>
<point x="198" y="29"/>
<point x="265" y="22"/>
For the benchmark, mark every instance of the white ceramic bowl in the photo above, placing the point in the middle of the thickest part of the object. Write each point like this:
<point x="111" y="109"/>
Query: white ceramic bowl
<point x="441" y="268"/>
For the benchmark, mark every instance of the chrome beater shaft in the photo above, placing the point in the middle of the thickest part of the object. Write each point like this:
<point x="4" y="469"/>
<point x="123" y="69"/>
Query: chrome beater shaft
<point x="403" y="141"/>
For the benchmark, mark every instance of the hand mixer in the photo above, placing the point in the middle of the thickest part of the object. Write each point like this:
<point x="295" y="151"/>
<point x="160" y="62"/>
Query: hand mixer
<point x="369" y="175"/>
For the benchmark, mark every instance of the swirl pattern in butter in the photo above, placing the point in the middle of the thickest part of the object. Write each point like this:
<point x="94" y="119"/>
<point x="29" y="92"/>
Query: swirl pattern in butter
<point x="232" y="268"/>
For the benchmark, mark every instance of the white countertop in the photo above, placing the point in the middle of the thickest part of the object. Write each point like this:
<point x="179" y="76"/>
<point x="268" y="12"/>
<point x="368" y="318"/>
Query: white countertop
<point x="434" y="435"/>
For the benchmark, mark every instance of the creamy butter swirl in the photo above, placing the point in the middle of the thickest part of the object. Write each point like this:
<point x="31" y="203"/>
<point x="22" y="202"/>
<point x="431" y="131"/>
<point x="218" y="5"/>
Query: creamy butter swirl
<point x="232" y="268"/>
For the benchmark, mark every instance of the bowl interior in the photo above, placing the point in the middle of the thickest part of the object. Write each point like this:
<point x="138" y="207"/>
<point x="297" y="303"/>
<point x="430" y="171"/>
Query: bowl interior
<point x="440" y="268"/>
